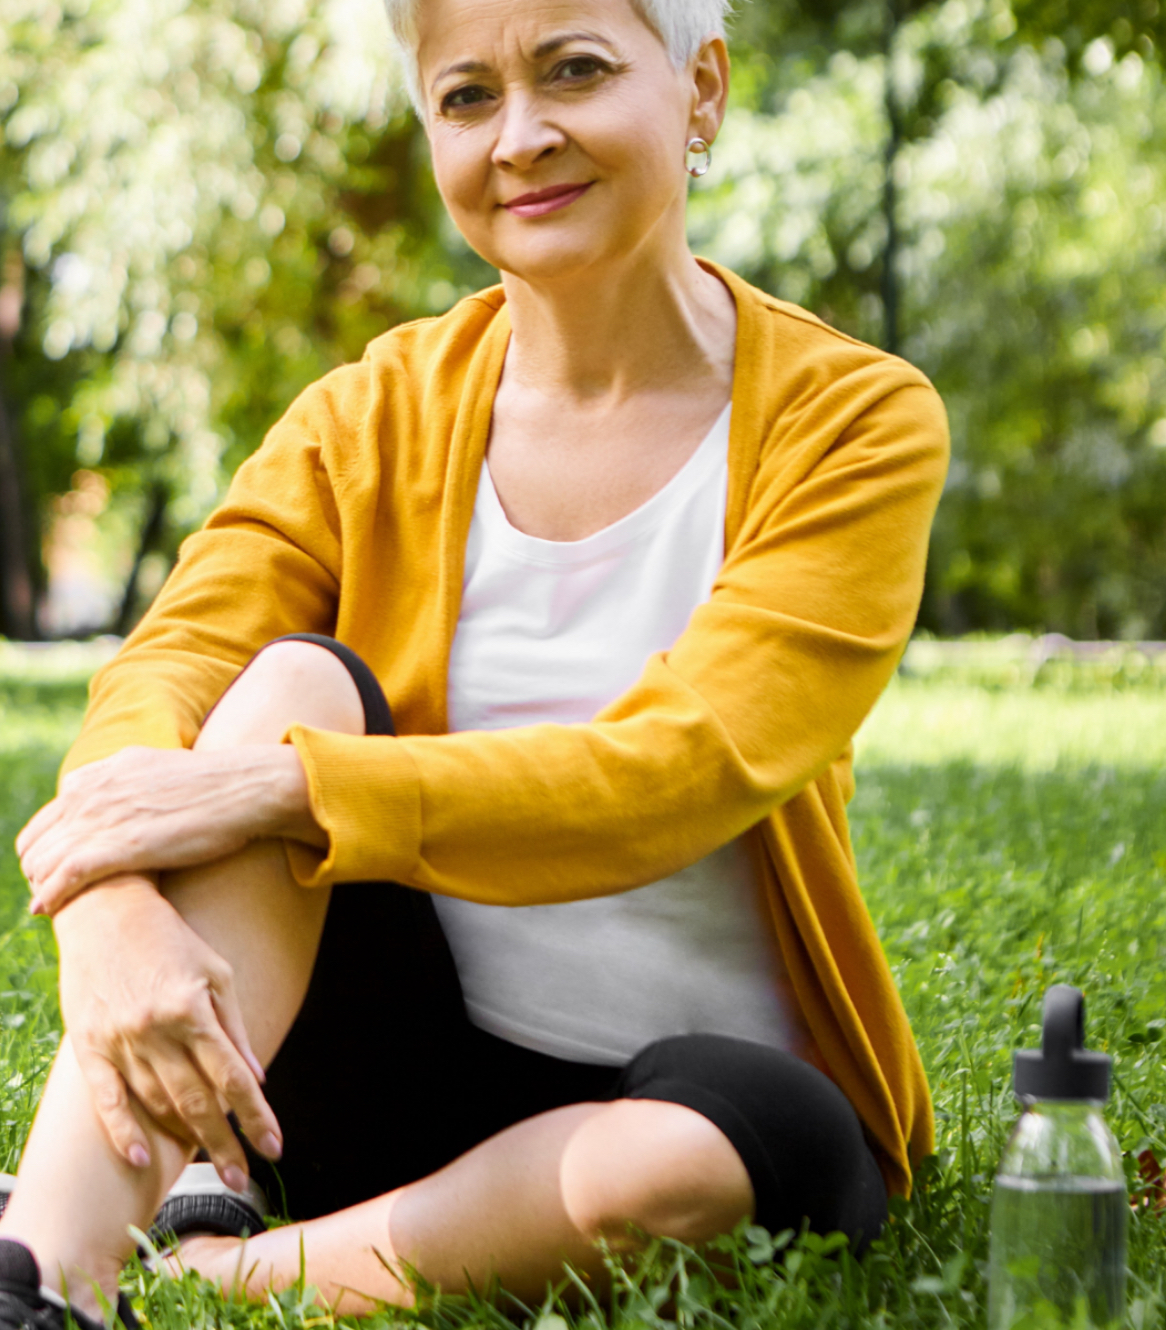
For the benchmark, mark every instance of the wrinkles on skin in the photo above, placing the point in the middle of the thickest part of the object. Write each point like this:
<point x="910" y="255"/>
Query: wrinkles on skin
<point x="164" y="1028"/>
<point x="145" y="810"/>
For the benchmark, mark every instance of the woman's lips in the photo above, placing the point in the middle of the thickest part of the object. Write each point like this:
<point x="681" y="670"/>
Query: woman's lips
<point x="542" y="201"/>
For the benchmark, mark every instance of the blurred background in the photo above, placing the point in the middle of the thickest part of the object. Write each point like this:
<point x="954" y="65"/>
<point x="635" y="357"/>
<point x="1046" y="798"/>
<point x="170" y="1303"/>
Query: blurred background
<point x="206" y="204"/>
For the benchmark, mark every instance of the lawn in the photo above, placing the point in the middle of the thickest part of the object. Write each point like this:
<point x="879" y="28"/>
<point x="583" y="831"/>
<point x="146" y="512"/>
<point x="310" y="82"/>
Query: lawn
<point x="1009" y="837"/>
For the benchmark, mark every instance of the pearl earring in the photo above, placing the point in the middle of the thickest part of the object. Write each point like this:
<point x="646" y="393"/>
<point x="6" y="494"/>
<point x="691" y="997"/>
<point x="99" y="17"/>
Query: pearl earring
<point x="702" y="152"/>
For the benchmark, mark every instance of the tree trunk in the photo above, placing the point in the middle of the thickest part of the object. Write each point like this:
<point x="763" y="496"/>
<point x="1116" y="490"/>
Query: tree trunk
<point x="890" y="276"/>
<point x="159" y="497"/>
<point x="17" y="595"/>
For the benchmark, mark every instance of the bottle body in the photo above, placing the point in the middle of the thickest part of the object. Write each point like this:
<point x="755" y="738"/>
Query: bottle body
<point x="1059" y="1214"/>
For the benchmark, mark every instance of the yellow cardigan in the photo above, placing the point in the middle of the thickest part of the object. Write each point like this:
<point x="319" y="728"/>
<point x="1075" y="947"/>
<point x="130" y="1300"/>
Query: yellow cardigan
<point x="352" y="519"/>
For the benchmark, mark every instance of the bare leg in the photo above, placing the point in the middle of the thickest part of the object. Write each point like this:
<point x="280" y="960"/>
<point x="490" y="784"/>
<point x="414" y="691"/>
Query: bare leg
<point x="517" y="1206"/>
<point x="75" y="1197"/>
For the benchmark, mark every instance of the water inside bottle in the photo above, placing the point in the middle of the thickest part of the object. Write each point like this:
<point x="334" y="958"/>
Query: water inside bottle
<point x="1058" y="1254"/>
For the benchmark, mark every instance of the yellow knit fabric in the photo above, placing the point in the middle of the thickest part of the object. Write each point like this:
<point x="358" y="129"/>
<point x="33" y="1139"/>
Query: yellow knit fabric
<point x="352" y="520"/>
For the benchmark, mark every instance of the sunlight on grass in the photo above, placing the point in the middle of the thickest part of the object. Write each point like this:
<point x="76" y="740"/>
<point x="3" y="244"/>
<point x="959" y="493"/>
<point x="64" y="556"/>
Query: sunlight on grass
<point x="1030" y="728"/>
<point x="43" y="693"/>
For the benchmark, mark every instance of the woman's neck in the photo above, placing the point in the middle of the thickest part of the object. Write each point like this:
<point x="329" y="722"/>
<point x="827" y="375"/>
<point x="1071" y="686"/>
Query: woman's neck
<point x="638" y="327"/>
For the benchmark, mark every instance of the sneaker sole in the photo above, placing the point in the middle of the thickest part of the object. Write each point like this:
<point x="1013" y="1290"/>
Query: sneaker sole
<point x="200" y="1202"/>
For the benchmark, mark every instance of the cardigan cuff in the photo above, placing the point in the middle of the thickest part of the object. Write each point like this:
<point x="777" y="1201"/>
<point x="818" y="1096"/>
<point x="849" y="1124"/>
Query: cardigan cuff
<point x="365" y="793"/>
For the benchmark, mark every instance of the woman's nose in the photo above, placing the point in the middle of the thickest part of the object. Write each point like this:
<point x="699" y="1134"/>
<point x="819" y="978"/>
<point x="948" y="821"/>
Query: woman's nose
<point x="526" y="136"/>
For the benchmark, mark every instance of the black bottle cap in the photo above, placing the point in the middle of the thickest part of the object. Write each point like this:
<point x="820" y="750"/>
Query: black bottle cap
<point x="1062" y="1068"/>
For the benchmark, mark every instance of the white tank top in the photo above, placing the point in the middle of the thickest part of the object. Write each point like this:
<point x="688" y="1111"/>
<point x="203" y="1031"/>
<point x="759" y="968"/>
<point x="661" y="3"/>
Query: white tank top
<point x="553" y="631"/>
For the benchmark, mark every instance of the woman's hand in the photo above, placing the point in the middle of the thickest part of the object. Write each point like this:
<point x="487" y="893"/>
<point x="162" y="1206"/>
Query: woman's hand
<point x="151" y="1009"/>
<point x="149" y="809"/>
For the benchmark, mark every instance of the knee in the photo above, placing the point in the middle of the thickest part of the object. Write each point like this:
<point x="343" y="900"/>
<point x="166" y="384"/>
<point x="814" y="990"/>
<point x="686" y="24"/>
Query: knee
<point x="292" y="667"/>
<point x="659" y="1166"/>
<point x="285" y="683"/>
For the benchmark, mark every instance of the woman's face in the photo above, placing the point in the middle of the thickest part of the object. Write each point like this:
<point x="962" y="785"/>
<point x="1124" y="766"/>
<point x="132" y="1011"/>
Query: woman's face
<point x="558" y="128"/>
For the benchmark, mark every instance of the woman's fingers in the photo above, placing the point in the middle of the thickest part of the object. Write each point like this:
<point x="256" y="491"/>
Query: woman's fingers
<point x="167" y="1018"/>
<point x="58" y="867"/>
<point x="202" y="1069"/>
<point x="111" y="1099"/>
<point x="226" y="1005"/>
<point x="30" y="839"/>
<point x="201" y="1117"/>
<point x="151" y="809"/>
<point x="224" y="1067"/>
<point x="37" y="825"/>
<point x="224" y="1051"/>
<point x="151" y="1094"/>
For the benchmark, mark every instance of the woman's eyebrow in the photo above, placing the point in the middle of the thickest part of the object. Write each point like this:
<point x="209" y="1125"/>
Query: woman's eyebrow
<point x="552" y="44"/>
<point x="548" y="47"/>
<point x="462" y="67"/>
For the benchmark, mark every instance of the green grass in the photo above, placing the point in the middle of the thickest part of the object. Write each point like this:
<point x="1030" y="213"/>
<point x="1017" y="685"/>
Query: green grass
<point x="1009" y="838"/>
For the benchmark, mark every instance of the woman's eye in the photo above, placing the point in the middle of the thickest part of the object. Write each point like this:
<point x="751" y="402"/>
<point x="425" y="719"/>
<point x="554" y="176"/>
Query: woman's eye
<point x="460" y="98"/>
<point x="579" y="67"/>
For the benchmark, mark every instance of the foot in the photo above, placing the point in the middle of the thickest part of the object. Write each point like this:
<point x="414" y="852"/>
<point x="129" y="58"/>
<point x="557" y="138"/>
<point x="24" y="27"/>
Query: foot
<point x="336" y="1255"/>
<point x="26" y="1305"/>
<point x="219" y="1260"/>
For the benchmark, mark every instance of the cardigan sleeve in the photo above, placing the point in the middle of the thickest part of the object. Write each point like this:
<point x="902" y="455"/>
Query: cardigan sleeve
<point x="760" y="694"/>
<point x="278" y="527"/>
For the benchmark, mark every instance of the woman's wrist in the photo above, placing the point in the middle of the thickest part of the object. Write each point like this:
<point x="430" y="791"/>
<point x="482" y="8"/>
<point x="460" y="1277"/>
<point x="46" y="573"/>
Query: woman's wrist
<point x="123" y="891"/>
<point x="290" y="812"/>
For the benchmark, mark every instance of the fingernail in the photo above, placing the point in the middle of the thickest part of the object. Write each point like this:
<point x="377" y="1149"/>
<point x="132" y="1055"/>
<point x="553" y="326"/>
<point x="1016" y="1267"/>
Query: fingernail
<point x="139" y="1156"/>
<point x="270" y="1146"/>
<point x="257" y="1067"/>
<point x="235" y="1178"/>
<point x="36" y="906"/>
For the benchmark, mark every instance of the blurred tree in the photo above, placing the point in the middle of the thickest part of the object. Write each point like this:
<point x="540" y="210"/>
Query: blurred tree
<point x="17" y="590"/>
<point x="204" y="204"/>
<point x="1037" y="221"/>
<point x="1128" y="25"/>
<point x="1029" y="187"/>
<point x="215" y="202"/>
<point x="800" y="40"/>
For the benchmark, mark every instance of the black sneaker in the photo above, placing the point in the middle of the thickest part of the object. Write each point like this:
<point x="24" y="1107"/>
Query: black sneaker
<point x="25" y="1305"/>
<point x="200" y="1202"/>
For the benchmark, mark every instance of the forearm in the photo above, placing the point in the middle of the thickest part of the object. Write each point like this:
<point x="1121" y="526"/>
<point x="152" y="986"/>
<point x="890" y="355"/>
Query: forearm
<point x="269" y="780"/>
<point x="546" y="814"/>
<point x="93" y="920"/>
<point x="144" y="811"/>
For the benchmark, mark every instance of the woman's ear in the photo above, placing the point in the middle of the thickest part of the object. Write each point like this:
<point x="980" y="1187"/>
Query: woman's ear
<point x="710" y="86"/>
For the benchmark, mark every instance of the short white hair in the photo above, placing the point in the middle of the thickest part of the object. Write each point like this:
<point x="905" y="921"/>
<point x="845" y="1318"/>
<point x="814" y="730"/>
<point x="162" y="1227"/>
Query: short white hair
<point x="682" y="25"/>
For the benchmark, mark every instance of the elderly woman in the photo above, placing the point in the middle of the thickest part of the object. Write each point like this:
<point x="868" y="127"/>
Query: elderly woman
<point x="481" y="770"/>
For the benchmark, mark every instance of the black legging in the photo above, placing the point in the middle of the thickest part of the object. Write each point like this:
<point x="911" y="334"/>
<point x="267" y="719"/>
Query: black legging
<point x="383" y="1080"/>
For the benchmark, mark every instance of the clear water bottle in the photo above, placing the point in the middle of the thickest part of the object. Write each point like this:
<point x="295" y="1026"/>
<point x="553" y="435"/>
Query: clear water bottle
<point x="1060" y="1205"/>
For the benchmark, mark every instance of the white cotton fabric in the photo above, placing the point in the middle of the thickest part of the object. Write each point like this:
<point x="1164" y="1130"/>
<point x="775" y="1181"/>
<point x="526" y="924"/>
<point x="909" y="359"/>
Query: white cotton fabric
<point x="552" y="631"/>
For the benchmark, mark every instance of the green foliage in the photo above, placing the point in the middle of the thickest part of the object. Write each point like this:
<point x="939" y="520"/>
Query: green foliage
<point x="214" y="201"/>
<point x="214" y="204"/>
<point x="1045" y="338"/>
<point x="1028" y="179"/>
<point x="1129" y="25"/>
<point x="993" y="869"/>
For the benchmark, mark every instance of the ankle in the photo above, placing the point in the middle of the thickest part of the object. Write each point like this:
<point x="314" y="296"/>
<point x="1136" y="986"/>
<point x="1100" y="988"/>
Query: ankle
<point x="75" y="1277"/>
<point x="83" y="1289"/>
